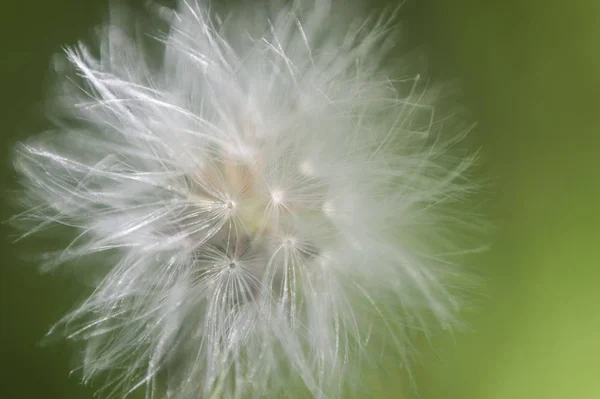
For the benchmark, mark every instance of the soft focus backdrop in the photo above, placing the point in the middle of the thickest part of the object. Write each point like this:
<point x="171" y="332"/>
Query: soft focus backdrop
<point x="530" y="74"/>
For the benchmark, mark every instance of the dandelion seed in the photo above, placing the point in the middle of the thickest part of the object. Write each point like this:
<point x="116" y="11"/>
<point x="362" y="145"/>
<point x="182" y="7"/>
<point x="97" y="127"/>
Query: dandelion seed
<point x="267" y="194"/>
<point x="328" y="209"/>
<point x="277" y="197"/>
<point x="307" y="168"/>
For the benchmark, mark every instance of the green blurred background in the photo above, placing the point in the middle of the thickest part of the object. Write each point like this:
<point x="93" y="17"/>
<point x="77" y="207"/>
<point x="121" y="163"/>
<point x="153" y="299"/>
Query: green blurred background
<point x="530" y="73"/>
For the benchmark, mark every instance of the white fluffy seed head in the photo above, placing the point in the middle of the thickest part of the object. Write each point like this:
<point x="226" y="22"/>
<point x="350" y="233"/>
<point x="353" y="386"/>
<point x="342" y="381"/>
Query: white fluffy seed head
<point x="269" y="195"/>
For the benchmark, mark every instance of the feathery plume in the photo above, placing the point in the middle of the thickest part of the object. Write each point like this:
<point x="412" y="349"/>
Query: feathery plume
<point x="264" y="202"/>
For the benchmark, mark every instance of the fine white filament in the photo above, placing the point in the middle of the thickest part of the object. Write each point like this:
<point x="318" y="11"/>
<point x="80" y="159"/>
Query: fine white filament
<point x="262" y="199"/>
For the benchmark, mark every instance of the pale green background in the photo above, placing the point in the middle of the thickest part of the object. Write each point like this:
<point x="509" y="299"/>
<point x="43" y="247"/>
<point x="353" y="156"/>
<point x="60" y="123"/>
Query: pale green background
<point x="531" y="76"/>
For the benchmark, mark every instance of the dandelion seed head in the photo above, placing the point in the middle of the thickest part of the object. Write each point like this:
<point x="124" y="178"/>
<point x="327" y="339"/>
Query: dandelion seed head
<point x="266" y="197"/>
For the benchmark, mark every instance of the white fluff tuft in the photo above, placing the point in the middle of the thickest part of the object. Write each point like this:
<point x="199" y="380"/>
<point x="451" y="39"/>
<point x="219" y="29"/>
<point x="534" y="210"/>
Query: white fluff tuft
<point x="269" y="201"/>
